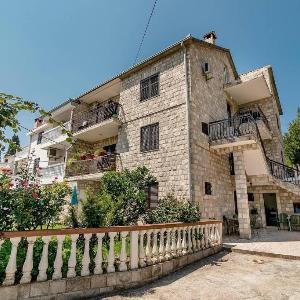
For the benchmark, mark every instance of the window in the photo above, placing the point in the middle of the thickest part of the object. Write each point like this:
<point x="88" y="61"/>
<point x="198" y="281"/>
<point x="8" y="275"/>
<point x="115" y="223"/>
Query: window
<point x="152" y="195"/>
<point x="208" y="188"/>
<point x="235" y="203"/>
<point x="226" y="75"/>
<point x="205" y="128"/>
<point x="277" y="119"/>
<point x="149" y="87"/>
<point x="231" y="163"/>
<point x="150" y="137"/>
<point x="297" y="208"/>
<point x="39" y="138"/>
<point x="250" y="197"/>
<point x="206" y="68"/>
<point x="36" y="164"/>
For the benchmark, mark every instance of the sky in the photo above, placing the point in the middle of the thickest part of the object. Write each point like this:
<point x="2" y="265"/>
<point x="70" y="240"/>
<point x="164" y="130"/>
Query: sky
<point x="52" y="50"/>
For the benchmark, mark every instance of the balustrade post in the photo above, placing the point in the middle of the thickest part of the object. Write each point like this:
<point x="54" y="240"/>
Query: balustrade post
<point x="179" y="243"/>
<point x="206" y="234"/>
<point x="98" y="258"/>
<point x="123" y="254"/>
<point x="58" y="263"/>
<point x="142" y="249"/>
<point x="220" y="229"/>
<point x="183" y="245"/>
<point x="11" y="267"/>
<point x="173" y="242"/>
<point x="134" y="250"/>
<point x="189" y="245"/>
<point x="111" y="253"/>
<point x="168" y="246"/>
<point x="72" y="260"/>
<point x="194" y="234"/>
<point x="28" y="263"/>
<point x="85" y="271"/>
<point x="198" y="235"/>
<point x="161" y="251"/>
<point x="43" y="265"/>
<point x="148" y="248"/>
<point x="154" y="247"/>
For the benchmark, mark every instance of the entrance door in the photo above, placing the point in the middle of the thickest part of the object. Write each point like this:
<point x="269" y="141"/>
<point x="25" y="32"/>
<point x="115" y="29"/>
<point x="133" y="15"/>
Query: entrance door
<point x="270" y="209"/>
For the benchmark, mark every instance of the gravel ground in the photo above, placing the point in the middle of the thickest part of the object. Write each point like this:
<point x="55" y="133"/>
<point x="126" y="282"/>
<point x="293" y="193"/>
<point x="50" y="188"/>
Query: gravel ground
<point x="225" y="276"/>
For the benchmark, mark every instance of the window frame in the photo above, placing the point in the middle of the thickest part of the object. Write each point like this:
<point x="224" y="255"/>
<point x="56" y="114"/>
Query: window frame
<point x="208" y="188"/>
<point x="150" y="149"/>
<point x="39" y="138"/>
<point x="148" y="79"/>
<point x="149" y="194"/>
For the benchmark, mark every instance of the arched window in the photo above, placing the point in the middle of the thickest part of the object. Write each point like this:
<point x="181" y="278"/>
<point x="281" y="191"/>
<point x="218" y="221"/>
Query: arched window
<point x="226" y="75"/>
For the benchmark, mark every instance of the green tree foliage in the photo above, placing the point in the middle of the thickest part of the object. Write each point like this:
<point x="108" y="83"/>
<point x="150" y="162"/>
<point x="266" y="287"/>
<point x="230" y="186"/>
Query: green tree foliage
<point x="121" y="200"/>
<point x="14" y="146"/>
<point x="29" y="205"/>
<point x="292" y="141"/>
<point x="10" y="106"/>
<point x="170" y="210"/>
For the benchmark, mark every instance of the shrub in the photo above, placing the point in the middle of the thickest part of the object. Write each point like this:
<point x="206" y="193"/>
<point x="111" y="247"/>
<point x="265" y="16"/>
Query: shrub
<point x="29" y="205"/>
<point x="121" y="200"/>
<point x="170" y="210"/>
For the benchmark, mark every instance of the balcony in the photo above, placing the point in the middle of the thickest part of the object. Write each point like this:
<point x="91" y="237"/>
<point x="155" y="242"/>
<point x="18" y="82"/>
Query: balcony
<point x="259" y="117"/>
<point x="97" y="124"/>
<point x="90" y="169"/>
<point x="55" y="137"/>
<point x="236" y="131"/>
<point x="52" y="173"/>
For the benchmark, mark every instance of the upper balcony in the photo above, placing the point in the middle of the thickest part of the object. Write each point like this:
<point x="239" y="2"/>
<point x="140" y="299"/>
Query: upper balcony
<point x="55" y="137"/>
<point x="96" y="124"/>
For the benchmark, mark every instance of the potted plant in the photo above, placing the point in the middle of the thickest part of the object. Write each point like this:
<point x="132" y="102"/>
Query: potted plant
<point x="98" y="152"/>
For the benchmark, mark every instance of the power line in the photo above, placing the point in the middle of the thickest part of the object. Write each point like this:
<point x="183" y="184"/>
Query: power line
<point x="140" y="47"/>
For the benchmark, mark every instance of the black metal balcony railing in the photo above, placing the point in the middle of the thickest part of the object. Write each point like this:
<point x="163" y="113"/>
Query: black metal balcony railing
<point x="256" y="113"/>
<point x="237" y="126"/>
<point x="284" y="172"/>
<point x="91" y="166"/>
<point x="89" y="118"/>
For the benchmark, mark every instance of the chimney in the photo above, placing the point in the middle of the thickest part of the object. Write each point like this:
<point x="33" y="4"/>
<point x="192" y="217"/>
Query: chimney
<point x="210" y="37"/>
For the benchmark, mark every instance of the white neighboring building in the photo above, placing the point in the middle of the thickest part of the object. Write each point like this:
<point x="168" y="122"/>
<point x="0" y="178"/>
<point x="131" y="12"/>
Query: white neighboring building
<point x="47" y="147"/>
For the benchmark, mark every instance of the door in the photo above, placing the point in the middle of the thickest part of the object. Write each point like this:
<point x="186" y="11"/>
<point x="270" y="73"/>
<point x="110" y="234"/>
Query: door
<point x="270" y="209"/>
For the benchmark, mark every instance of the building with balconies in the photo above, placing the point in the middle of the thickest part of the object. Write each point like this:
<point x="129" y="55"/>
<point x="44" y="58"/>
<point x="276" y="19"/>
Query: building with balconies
<point x="208" y="134"/>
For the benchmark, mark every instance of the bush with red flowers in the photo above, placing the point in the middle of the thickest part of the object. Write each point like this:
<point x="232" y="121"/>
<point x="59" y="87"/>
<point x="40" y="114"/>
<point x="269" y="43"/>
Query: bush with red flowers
<point x="27" y="205"/>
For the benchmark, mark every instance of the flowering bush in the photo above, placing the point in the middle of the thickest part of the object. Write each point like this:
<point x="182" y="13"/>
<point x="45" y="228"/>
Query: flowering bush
<point x="28" y="205"/>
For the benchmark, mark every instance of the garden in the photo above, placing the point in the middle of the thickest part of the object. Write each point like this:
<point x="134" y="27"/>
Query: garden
<point x="121" y="200"/>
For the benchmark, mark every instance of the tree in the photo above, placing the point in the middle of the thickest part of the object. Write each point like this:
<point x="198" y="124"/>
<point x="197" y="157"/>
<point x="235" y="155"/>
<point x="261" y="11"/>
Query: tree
<point x="14" y="146"/>
<point x="292" y="141"/>
<point x="10" y="106"/>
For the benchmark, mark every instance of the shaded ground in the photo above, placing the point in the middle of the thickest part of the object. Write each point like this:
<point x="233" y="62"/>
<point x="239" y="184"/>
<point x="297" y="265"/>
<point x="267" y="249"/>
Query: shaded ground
<point x="225" y="276"/>
<point x="269" y="240"/>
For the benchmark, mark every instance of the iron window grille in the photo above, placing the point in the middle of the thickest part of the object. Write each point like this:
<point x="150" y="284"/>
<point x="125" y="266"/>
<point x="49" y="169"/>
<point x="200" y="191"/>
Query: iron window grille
<point x="149" y="87"/>
<point x="150" y="137"/>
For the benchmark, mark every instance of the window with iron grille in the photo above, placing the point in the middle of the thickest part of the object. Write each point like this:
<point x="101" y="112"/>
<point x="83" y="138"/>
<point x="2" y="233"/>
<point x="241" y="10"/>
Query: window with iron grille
<point x="152" y="195"/>
<point x="205" y="128"/>
<point x="251" y="197"/>
<point x="36" y="164"/>
<point x="231" y="163"/>
<point x="149" y="87"/>
<point x="150" y="137"/>
<point x="40" y="137"/>
<point x="208" y="188"/>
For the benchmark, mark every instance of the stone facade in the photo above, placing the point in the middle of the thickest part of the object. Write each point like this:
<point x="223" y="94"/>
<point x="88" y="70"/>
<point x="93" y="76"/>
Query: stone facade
<point x="185" y="162"/>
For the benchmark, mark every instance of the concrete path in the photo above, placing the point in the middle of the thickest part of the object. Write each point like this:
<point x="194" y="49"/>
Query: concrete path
<point x="224" y="276"/>
<point x="268" y="242"/>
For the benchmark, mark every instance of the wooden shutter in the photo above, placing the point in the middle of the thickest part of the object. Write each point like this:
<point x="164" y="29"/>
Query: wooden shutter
<point x="153" y="195"/>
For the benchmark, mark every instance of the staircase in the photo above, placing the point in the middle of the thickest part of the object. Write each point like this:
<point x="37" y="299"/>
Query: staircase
<point x="242" y="133"/>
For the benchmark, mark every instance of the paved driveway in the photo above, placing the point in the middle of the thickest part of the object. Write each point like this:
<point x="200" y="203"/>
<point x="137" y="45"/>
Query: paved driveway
<point x="225" y="276"/>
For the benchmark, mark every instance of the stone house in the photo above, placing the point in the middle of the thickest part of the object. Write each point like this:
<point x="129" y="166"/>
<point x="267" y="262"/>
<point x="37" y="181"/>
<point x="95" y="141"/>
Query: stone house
<point x="208" y="134"/>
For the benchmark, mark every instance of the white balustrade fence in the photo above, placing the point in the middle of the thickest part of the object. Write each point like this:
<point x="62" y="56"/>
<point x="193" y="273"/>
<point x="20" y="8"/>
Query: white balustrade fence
<point x="116" y="249"/>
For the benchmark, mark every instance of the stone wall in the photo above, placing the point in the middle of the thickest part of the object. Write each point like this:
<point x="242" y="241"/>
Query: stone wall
<point x="96" y="285"/>
<point x="169" y="164"/>
<point x="208" y="104"/>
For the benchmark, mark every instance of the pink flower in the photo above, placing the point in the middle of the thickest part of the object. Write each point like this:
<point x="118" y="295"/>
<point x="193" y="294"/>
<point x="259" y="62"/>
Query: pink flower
<point x="34" y="195"/>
